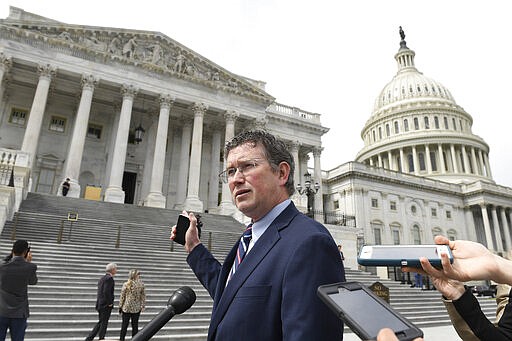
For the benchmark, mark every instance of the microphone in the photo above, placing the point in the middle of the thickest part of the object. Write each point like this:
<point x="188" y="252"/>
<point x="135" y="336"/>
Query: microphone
<point x="180" y="301"/>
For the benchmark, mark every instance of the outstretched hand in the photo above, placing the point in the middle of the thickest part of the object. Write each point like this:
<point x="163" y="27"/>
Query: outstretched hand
<point x="192" y="235"/>
<point x="471" y="261"/>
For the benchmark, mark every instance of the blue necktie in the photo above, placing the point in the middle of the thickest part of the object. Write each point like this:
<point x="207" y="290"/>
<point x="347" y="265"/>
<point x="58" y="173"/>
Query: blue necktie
<point x="243" y="246"/>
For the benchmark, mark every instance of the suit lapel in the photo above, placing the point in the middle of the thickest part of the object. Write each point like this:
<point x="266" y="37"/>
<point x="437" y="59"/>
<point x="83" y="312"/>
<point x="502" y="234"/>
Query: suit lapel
<point x="265" y="243"/>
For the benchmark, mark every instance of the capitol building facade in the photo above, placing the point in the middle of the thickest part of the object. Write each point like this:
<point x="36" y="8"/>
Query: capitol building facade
<point x="135" y="117"/>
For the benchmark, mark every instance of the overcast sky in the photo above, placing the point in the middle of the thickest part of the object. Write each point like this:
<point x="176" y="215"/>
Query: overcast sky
<point x="334" y="57"/>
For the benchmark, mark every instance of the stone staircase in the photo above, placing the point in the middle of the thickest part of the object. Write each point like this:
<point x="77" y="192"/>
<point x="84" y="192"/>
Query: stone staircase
<point x="72" y="257"/>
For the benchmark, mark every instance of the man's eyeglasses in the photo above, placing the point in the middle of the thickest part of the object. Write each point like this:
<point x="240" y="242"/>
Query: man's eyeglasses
<point x="245" y="168"/>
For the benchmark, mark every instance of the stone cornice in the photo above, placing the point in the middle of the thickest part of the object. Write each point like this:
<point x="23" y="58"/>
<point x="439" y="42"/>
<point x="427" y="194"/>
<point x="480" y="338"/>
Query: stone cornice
<point x="152" y="51"/>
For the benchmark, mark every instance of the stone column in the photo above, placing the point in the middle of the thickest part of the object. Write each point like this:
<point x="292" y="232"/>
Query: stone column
<point x="226" y="205"/>
<point x="482" y="166"/>
<point x="155" y="197"/>
<point x="379" y="161"/>
<point x="487" y="166"/>
<point x="470" y="224"/>
<point x="473" y="161"/>
<point x="454" y="159"/>
<point x="213" y="184"/>
<point x="402" y="161"/>
<point x="114" y="191"/>
<point x="192" y="202"/>
<point x="506" y="230"/>
<point x="390" y="160"/>
<point x="35" y="119"/>
<point x="497" y="232"/>
<point x="467" y="168"/>
<point x="319" y="202"/>
<point x="181" y="190"/>
<point x="76" y="147"/>
<point x="441" y="158"/>
<point x="487" y="228"/>
<point x="294" y="150"/>
<point x="415" y="161"/>
<point x="5" y="66"/>
<point x="428" y="160"/>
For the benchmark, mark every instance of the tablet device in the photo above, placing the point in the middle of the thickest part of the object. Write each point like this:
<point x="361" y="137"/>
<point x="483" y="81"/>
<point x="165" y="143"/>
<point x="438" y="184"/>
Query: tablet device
<point x="402" y="255"/>
<point x="364" y="312"/>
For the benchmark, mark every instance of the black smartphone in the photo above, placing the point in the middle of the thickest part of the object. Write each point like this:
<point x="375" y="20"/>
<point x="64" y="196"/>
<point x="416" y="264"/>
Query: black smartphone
<point x="181" y="228"/>
<point x="364" y="312"/>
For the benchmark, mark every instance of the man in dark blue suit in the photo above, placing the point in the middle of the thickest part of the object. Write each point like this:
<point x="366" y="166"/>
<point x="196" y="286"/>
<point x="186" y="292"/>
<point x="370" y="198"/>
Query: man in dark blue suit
<point x="15" y="275"/>
<point x="104" y="302"/>
<point x="270" y="294"/>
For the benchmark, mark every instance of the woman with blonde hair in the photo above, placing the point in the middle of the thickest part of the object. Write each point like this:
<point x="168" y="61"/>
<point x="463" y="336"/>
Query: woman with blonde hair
<point x="131" y="302"/>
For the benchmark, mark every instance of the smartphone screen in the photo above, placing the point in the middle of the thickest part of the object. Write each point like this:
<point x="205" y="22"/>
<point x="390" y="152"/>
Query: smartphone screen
<point x="181" y="229"/>
<point x="364" y="312"/>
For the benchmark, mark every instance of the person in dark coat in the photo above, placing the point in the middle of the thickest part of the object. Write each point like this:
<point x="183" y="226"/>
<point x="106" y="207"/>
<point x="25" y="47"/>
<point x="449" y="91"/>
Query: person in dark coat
<point x="16" y="274"/>
<point x="104" y="302"/>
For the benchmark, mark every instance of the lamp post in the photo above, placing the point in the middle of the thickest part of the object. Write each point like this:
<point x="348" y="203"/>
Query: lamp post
<point x="310" y="193"/>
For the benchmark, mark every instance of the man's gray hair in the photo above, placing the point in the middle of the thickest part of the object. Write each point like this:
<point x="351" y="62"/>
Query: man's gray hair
<point x="110" y="267"/>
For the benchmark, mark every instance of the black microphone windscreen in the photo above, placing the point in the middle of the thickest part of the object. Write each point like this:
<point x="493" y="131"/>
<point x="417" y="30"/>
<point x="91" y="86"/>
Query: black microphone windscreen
<point x="182" y="299"/>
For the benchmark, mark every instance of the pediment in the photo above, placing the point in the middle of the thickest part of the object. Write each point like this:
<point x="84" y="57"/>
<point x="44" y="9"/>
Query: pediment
<point x="150" y="50"/>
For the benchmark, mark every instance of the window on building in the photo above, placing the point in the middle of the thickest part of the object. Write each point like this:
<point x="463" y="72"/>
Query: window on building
<point x="396" y="237"/>
<point x="454" y="124"/>
<point x="375" y="203"/>
<point x="376" y="233"/>
<point x="448" y="214"/>
<point x="436" y="122"/>
<point x="18" y="116"/>
<point x="414" y="209"/>
<point x="94" y="131"/>
<point x="387" y="130"/>
<point x="416" y="124"/>
<point x="445" y="119"/>
<point x="392" y="205"/>
<point x="373" y="133"/>
<point x="427" y="122"/>
<point x="380" y="133"/>
<point x="461" y="126"/>
<point x="433" y="211"/>
<point x="421" y="159"/>
<point x="411" y="163"/>
<point x="336" y="204"/>
<point x="433" y="162"/>
<point x="57" y="124"/>
<point x="406" y="125"/>
<point x="416" y="237"/>
<point x="397" y="129"/>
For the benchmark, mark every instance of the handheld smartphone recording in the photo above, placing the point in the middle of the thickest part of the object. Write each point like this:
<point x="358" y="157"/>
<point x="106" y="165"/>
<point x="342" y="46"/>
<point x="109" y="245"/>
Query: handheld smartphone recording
<point x="182" y="226"/>
<point x="402" y="255"/>
<point x="364" y="312"/>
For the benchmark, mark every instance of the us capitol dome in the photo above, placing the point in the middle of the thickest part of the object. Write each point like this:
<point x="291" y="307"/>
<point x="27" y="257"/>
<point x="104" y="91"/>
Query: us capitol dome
<point x="417" y="128"/>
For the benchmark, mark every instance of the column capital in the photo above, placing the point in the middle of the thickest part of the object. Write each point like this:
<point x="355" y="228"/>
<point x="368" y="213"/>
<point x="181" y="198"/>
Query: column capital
<point x="166" y="100"/>
<point x="260" y="123"/>
<point x="317" y="151"/>
<point x="199" y="108"/>
<point x="294" y="146"/>
<point x="128" y="90"/>
<point x="231" y="116"/>
<point x="5" y="62"/>
<point x="89" y="82"/>
<point x="46" y="71"/>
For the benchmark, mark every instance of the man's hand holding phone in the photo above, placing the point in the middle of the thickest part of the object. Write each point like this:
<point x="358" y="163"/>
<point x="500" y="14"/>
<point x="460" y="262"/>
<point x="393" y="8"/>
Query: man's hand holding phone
<point x="190" y="232"/>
